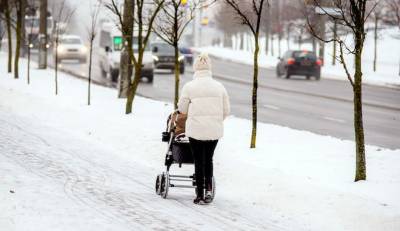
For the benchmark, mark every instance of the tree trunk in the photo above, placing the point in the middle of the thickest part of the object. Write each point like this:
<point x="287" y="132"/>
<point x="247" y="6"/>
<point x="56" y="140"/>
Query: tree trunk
<point x="133" y="87"/>
<point x="227" y="40"/>
<point x="126" y="70"/>
<point x="56" y="64"/>
<point x="267" y="30"/>
<point x="9" y="35"/>
<point x="177" y="80"/>
<point x="300" y="39"/>
<point x="90" y="69"/>
<point x="18" y="34"/>
<point x="126" y="67"/>
<point x="288" y="36"/>
<point x="322" y="43"/>
<point x="334" y="43"/>
<point x="29" y="64"/>
<point x="358" y="114"/>
<point x="314" y="45"/>
<point x="43" y="35"/>
<point x="272" y="45"/>
<point x="241" y="47"/>
<point x="23" y="32"/>
<point x="279" y="44"/>
<point x="254" y="95"/>
<point x="375" y="41"/>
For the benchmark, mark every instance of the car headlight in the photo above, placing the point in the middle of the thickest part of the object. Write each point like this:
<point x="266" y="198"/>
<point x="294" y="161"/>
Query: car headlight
<point x="181" y="58"/>
<point x="83" y="49"/>
<point x="155" y="58"/>
<point x="60" y="49"/>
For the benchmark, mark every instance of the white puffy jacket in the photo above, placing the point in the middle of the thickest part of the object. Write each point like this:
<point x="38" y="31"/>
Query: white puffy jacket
<point x="206" y="103"/>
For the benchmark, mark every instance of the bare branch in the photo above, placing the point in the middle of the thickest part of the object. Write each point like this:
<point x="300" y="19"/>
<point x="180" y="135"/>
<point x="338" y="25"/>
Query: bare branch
<point x="343" y="62"/>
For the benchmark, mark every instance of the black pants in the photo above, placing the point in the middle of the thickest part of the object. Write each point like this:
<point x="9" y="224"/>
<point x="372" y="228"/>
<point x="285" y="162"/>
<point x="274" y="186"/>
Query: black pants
<point x="203" y="152"/>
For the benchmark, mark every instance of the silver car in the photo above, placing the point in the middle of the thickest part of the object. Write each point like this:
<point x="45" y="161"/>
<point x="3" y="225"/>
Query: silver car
<point x="71" y="47"/>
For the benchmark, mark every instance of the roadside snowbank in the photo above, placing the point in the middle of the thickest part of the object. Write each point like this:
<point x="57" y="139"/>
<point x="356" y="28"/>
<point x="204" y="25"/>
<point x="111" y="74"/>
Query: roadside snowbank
<point x="294" y="180"/>
<point x="387" y="67"/>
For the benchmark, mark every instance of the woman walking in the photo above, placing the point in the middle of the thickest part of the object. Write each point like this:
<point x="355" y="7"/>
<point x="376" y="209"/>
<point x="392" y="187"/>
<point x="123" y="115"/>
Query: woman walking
<point x="206" y="103"/>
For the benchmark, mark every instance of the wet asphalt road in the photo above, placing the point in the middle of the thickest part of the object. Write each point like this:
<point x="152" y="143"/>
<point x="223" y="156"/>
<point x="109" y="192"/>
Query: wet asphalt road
<point x="323" y="107"/>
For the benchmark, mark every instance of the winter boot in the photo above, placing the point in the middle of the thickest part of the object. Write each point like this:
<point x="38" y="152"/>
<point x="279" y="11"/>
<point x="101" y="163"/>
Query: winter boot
<point x="198" y="201"/>
<point x="208" y="198"/>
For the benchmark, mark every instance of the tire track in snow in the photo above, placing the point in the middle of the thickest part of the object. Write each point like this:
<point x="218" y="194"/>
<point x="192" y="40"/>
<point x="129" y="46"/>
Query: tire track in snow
<point x="82" y="185"/>
<point x="89" y="185"/>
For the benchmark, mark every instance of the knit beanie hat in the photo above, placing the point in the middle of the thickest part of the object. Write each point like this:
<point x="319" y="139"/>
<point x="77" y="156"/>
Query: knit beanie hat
<point x="202" y="62"/>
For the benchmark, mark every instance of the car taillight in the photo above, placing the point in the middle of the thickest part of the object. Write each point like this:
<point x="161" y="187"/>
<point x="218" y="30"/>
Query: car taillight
<point x="318" y="62"/>
<point x="291" y="61"/>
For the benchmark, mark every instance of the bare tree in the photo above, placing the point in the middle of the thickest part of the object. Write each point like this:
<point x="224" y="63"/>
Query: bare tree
<point x="394" y="9"/>
<point x="144" y="13"/>
<point x="29" y="42"/>
<point x="62" y="18"/>
<point x="20" y="6"/>
<point x="7" y="12"/>
<point x="225" y="21"/>
<point x="352" y="14"/>
<point x="92" y="33"/>
<point x="126" y="64"/>
<point x="2" y="22"/>
<point x="250" y="15"/>
<point x="43" y="38"/>
<point x="377" y="15"/>
<point x="2" y="33"/>
<point x="170" y="25"/>
<point x="267" y="27"/>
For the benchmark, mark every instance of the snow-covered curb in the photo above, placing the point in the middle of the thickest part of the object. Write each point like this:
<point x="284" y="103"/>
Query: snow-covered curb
<point x="386" y="75"/>
<point x="303" y="180"/>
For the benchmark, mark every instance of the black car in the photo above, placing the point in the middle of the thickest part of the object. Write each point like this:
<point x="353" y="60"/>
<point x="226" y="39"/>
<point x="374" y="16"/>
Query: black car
<point x="298" y="62"/>
<point x="164" y="57"/>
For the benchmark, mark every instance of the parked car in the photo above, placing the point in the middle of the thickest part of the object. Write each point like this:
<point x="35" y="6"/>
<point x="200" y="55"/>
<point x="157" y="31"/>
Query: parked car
<point x="111" y="44"/>
<point x="70" y="47"/>
<point x="299" y="62"/>
<point x="188" y="53"/>
<point x="164" y="57"/>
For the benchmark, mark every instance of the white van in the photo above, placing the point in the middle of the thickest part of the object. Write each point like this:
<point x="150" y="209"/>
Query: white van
<point x="111" y="44"/>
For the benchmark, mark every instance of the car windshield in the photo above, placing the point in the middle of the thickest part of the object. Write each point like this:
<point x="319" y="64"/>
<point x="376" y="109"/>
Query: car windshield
<point x="164" y="48"/>
<point x="70" y="41"/>
<point x="34" y="22"/>
<point x="118" y="44"/>
<point x="304" y="54"/>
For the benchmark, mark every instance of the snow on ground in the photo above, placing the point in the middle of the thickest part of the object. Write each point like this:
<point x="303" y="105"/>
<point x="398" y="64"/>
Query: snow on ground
<point x="78" y="167"/>
<point x="387" y="68"/>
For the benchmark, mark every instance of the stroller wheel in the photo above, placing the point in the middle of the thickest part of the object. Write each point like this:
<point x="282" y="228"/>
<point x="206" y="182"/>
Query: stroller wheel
<point x="164" y="185"/>
<point x="158" y="184"/>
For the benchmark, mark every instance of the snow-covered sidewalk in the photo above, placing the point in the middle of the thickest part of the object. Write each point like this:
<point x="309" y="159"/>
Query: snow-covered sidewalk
<point x="78" y="167"/>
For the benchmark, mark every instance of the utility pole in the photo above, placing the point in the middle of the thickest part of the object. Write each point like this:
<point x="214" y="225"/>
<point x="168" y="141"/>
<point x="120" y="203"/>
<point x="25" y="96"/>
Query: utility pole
<point x="43" y="35"/>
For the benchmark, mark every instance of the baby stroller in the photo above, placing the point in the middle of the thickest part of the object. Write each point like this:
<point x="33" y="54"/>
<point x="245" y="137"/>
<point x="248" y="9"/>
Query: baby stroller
<point x="179" y="153"/>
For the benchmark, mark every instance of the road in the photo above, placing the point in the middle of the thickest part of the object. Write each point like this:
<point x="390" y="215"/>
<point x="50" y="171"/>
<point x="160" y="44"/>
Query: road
<point x="323" y="107"/>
